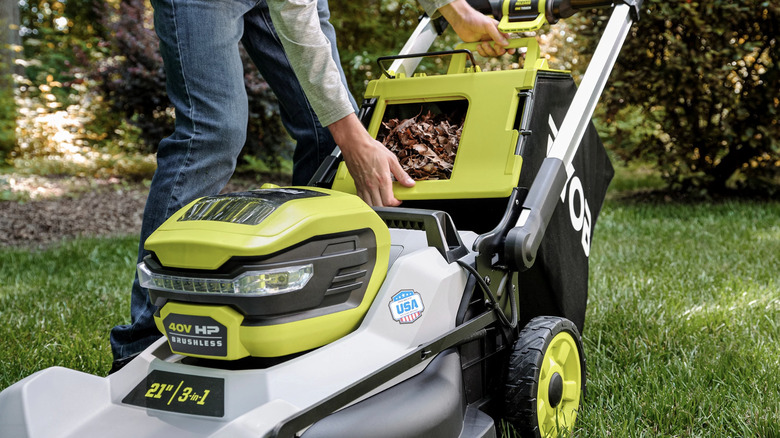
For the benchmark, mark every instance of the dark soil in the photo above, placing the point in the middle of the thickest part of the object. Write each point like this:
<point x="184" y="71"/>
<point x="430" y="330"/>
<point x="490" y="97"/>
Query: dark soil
<point x="102" y="212"/>
<point x="57" y="209"/>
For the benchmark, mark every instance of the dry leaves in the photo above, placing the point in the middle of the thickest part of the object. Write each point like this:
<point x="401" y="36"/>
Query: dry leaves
<point x="425" y="145"/>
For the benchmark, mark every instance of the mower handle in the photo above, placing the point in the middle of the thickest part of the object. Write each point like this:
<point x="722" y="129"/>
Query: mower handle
<point x="487" y="7"/>
<point x="554" y="9"/>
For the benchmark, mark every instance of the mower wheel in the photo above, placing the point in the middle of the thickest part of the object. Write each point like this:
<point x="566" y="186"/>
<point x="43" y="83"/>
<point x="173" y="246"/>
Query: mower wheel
<point x="545" y="378"/>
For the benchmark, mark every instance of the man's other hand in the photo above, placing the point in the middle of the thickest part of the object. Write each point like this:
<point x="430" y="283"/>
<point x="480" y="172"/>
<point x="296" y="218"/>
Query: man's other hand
<point x="473" y="26"/>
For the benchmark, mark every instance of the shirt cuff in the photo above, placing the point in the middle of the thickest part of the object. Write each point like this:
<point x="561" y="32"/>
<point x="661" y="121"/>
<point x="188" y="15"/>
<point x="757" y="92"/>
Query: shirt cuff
<point x="431" y="6"/>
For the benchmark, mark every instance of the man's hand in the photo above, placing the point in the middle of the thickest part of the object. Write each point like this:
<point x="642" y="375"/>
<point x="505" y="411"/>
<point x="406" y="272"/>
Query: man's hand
<point x="370" y="163"/>
<point x="471" y="25"/>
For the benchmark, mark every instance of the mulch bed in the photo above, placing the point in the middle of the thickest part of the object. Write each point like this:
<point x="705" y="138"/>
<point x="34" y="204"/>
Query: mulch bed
<point x="78" y="210"/>
<point x="102" y="212"/>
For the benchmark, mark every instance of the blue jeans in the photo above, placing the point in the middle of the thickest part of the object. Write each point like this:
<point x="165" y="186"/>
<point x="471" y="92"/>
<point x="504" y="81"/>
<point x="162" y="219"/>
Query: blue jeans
<point x="199" y="45"/>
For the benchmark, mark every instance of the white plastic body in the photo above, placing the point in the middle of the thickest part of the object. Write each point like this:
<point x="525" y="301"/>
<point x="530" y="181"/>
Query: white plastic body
<point x="66" y="403"/>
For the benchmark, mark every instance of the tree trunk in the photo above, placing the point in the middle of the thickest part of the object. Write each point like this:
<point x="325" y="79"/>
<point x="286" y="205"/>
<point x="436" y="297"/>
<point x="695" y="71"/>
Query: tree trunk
<point x="12" y="41"/>
<point x="10" y="45"/>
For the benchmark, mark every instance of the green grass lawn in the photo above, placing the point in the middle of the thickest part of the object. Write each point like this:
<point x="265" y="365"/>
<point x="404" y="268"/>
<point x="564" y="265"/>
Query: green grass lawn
<point x="682" y="335"/>
<point x="683" y="326"/>
<point x="58" y="305"/>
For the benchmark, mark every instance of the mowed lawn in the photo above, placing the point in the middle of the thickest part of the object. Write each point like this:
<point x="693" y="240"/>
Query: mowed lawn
<point x="682" y="336"/>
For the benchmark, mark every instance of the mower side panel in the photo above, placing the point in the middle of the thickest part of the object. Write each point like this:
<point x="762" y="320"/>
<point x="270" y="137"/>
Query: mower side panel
<point x="429" y="405"/>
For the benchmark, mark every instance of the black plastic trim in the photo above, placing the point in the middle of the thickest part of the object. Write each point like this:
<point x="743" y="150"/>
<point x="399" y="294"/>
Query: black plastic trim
<point x="557" y="9"/>
<point x="636" y="6"/>
<point x="492" y="242"/>
<point x="385" y="72"/>
<point x="438" y="226"/>
<point x="487" y="7"/>
<point x="523" y="242"/>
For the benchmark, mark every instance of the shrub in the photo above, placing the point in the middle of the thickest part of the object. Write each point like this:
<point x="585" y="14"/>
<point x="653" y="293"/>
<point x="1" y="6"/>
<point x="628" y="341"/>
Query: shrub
<point x="695" y="91"/>
<point x="8" y="48"/>
<point x="369" y="29"/>
<point x="58" y="140"/>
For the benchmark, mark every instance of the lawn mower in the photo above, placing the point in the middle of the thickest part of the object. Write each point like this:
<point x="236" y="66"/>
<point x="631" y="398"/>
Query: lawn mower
<point x="303" y="312"/>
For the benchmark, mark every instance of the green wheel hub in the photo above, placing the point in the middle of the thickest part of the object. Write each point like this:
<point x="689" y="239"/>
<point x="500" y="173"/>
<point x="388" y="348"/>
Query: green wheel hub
<point x="560" y="383"/>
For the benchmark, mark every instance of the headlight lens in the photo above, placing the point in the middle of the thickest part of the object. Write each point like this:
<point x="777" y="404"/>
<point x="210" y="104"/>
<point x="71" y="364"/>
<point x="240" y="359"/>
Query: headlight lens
<point x="261" y="282"/>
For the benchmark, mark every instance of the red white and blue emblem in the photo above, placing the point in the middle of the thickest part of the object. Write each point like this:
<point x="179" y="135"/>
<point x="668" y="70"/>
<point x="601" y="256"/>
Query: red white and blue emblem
<point x="406" y="306"/>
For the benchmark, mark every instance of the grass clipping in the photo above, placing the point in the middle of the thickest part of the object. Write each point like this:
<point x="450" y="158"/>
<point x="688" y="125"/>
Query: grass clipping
<point x="424" y="144"/>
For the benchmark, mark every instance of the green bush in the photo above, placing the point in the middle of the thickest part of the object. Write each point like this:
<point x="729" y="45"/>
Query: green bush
<point x="80" y="139"/>
<point x="63" y="126"/>
<point x="131" y="78"/>
<point x="7" y="103"/>
<point x="695" y="91"/>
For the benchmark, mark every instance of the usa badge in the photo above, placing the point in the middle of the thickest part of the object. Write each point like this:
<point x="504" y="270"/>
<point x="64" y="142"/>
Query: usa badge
<point x="406" y="306"/>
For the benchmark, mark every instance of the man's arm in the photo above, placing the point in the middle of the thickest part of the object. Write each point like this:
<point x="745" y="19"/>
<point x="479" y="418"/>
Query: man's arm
<point x="297" y="25"/>
<point x="371" y="165"/>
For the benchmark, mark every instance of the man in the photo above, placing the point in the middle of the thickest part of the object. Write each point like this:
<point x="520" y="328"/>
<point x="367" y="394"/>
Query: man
<point x="286" y="39"/>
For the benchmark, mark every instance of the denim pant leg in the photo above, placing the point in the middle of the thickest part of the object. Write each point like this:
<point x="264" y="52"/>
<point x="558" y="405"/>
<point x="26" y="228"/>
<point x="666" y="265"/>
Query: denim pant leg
<point x="198" y="41"/>
<point x="313" y="141"/>
<point x="199" y="44"/>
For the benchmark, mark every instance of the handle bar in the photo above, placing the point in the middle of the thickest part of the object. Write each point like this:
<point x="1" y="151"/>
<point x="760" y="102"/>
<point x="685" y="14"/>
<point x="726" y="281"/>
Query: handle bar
<point x="558" y="9"/>
<point x="487" y="7"/>
<point x="535" y="12"/>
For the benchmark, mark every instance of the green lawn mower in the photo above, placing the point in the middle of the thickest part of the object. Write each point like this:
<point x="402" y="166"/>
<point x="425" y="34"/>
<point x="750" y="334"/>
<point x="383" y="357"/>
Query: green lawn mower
<point x="303" y="312"/>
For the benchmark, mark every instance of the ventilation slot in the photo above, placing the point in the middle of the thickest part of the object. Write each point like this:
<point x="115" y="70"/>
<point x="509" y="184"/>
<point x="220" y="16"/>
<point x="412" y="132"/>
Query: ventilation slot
<point x="404" y="224"/>
<point x="346" y="280"/>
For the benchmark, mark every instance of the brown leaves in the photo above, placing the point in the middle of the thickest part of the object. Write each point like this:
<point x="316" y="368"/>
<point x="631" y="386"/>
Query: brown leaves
<point x="425" y="145"/>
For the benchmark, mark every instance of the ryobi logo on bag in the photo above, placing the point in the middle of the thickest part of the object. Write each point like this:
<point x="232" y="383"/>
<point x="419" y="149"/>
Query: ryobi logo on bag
<point x="199" y="335"/>
<point x="406" y="306"/>
<point x="579" y="210"/>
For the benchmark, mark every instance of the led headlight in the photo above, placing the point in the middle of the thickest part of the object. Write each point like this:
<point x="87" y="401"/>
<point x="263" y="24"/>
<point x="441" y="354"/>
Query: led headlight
<point x="261" y="282"/>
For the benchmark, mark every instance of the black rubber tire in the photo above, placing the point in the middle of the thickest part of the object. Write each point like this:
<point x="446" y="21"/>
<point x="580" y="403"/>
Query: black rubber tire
<point x="521" y="387"/>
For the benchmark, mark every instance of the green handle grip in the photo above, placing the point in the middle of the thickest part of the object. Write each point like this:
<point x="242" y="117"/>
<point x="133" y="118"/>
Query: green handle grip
<point x="531" y="55"/>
